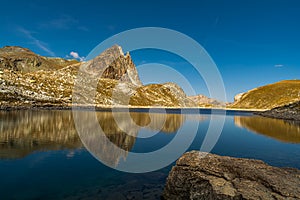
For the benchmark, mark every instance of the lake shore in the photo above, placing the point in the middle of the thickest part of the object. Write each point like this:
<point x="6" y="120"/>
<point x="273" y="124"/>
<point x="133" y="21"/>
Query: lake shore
<point x="118" y="107"/>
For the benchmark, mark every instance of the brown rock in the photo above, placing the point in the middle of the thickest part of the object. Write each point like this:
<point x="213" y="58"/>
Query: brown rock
<point x="199" y="175"/>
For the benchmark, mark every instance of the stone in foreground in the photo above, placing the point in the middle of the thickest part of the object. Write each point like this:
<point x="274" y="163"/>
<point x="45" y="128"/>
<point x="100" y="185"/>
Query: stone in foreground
<point x="200" y="175"/>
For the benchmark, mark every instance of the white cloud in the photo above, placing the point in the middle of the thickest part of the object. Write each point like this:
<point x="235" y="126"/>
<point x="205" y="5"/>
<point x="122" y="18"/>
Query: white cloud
<point x="76" y="56"/>
<point x="40" y="44"/>
<point x="279" y="65"/>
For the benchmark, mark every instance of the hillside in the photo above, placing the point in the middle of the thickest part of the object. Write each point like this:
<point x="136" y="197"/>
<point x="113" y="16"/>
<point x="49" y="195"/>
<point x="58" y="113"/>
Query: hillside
<point x="28" y="84"/>
<point x="23" y="60"/>
<point x="269" y="96"/>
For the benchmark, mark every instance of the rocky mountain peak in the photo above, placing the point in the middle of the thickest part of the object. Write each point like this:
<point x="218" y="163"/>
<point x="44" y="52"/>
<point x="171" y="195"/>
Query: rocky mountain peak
<point x="113" y="64"/>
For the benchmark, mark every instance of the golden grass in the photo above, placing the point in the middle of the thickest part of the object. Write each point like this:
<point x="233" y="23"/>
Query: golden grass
<point x="270" y="96"/>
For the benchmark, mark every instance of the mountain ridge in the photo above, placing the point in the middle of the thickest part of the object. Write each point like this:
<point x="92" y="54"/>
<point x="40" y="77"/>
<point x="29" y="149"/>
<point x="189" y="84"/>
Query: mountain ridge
<point x="114" y="75"/>
<point x="29" y="80"/>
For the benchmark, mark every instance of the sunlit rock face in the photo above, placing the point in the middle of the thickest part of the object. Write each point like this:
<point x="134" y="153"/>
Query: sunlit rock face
<point x="285" y="131"/>
<point x="113" y="64"/>
<point x="111" y="78"/>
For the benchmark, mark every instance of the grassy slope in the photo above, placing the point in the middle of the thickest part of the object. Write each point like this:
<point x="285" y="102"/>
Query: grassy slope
<point x="270" y="96"/>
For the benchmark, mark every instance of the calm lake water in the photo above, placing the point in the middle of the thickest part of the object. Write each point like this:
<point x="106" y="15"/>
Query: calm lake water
<point x="42" y="156"/>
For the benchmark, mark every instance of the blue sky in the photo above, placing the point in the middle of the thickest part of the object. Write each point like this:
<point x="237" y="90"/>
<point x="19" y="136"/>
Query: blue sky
<point x="252" y="42"/>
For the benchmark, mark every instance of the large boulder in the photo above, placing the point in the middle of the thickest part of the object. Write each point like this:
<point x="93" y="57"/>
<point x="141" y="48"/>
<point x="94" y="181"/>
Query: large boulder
<point x="199" y="175"/>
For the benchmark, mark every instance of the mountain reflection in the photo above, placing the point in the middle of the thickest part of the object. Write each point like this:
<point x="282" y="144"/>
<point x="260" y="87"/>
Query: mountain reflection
<point x="120" y="131"/>
<point x="23" y="132"/>
<point x="285" y="131"/>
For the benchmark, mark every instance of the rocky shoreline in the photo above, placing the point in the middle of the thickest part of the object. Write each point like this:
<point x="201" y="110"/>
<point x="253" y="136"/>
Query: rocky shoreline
<point x="287" y="112"/>
<point x="199" y="175"/>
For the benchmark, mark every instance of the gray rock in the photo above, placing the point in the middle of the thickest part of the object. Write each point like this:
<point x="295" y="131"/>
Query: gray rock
<point x="289" y="112"/>
<point x="200" y="175"/>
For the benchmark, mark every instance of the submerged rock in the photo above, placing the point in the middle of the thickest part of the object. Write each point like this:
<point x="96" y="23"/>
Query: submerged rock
<point x="199" y="175"/>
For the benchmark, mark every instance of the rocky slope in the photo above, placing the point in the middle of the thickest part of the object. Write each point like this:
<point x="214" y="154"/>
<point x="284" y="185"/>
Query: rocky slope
<point x="288" y="112"/>
<point x="213" y="177"/>
<point x="29" y="80"/>
<point x="269" y="96"/>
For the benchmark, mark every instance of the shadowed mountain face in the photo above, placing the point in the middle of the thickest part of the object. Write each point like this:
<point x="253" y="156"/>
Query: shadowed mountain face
<point x="109" y="79"/>
<point x="285" y="131"/>
<point x="24" y="132"/>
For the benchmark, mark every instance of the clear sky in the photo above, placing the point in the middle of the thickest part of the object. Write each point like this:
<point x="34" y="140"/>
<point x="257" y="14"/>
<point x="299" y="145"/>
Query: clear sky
<point x="252" y="42"/>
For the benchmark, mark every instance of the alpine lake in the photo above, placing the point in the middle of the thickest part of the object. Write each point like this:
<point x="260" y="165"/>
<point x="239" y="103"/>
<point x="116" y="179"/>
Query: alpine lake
<point x="45" y="154"/>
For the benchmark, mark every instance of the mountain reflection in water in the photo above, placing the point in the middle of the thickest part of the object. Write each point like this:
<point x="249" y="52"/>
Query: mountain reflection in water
<point x="284" y="131"/>
<point x="26" y="131"/>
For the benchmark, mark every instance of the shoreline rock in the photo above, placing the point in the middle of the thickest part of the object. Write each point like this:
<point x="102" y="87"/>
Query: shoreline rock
<point x="199" y="175"/>
<point x="287" y="112"/>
